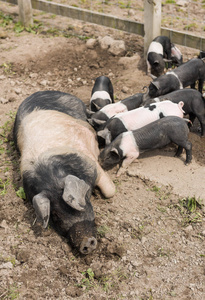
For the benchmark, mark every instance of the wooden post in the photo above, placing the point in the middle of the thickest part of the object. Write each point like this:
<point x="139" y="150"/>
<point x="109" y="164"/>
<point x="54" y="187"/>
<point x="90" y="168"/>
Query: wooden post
<point x="152" y="22"/>
<point x="25" y="12"/>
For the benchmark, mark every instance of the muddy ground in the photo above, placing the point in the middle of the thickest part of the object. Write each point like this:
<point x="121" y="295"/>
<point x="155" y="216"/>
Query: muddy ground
<point x="150" y="234"/>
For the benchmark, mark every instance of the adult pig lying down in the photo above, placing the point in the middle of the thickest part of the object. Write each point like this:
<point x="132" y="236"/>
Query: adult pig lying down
<point x="138" y="118"/>
<point x="59" y="165"/>
<point x="128" y="145"/>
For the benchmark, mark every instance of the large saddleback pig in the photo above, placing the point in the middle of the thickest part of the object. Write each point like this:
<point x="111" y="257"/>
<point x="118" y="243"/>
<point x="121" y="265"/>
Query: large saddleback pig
<point x="102" y="93"/>
<point x="138" y="118"/>
<point x="99" y="118"/>
<point x="59" y="164"/>
<point x="128" y="145"/>
<point x="194" y="104"/>
<point x="185" y="75"/>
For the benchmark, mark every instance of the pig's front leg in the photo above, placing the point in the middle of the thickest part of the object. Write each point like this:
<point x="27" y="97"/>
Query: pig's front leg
<point x="105" y="183"/>
<point x="126" y="162"/>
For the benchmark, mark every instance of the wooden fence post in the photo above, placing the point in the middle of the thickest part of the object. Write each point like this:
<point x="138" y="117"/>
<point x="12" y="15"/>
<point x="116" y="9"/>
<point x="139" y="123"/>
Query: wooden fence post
<point x="25" y="12"/>
<point x="152" y="22"/>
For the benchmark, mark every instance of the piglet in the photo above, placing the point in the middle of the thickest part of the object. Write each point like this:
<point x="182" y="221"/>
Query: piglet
<point x="128" y="145"/>
<point x="100" y="117"/>
<point x="159" y="51"/>
<point x="138" y="118"/>
<point x="102" y="93"/>
<point x="194" y="104"/>
<point x="185" y="75"/>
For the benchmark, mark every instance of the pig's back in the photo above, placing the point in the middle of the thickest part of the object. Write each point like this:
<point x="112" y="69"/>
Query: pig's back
<point x="47" y="131"/>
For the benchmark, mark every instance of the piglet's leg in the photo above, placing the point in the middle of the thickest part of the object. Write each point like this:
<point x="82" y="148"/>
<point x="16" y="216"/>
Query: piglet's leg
<point x="188" y="149"/>
<point x="105" y="183"/>
<point x="126" y="162"/>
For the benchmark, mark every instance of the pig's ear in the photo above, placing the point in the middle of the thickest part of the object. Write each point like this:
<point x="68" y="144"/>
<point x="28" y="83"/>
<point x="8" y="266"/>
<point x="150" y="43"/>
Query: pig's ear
<point x="74" y="192"/>
<point x="156" y="84"/>
<point x="41" y="205"/>
<point x="89" y="112"/>
<point x="181" y="104"/>
<point x="152" y="76"/>
<point x="105" y="134"/>
<point x="156" y="62"/>
<point x="114" y="152"/>
<point x="97" y="106"/>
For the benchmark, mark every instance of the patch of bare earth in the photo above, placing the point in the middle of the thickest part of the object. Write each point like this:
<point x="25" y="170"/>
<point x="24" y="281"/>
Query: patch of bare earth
<point x="150" y="238"/>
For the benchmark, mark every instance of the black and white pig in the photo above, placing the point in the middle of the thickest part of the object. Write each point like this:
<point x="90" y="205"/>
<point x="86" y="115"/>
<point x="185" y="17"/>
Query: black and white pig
<point x="128" y="145"/>
<point x="102" y="93"/>
<point x="185" y="75"/>
<point x="138" y="118"/>
<point x="194" y="104"/>
<point x="158" y="52"/>
<point x="99" y="118"/>
<point x="59" y="164"/>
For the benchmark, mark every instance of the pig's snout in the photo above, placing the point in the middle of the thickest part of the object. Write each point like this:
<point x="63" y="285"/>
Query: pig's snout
<point x="88" y="245"/>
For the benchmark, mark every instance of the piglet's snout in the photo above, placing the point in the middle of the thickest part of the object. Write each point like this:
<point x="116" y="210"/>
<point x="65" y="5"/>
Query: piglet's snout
<point x="88" y="245"/>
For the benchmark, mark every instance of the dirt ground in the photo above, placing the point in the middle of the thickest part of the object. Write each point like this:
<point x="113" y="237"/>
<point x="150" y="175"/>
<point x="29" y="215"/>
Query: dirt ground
<point x="150" y="234"/>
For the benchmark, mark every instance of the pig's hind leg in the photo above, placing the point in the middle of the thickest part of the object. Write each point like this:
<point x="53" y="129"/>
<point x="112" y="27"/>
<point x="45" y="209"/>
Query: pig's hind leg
<point x="188" y="149"/>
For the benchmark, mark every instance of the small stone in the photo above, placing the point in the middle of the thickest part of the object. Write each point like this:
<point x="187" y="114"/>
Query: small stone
<point x="44" y="82"/>
<point x="3" y="224"/>
<point x="3" y="100"/>
<point x="33" y="75"/>
<point x="18" y="91"/>
<point x="125" y="89"/>
<point x="7" y="265"/>
<point x="189" y="228"/>
<point x="3" y="35"/>
<point x="91" y="43"/>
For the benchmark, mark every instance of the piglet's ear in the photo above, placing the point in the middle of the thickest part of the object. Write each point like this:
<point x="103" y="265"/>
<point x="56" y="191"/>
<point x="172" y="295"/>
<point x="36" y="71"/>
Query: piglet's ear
<point x="153" y="76"/>
<point x="114" y="152"/>
<point x="41" y="205"/>
<point x="74" y="192"/>
<point x="156" y="84"/>
<point x="97" y="107"/>
<point x="89" y="112"/>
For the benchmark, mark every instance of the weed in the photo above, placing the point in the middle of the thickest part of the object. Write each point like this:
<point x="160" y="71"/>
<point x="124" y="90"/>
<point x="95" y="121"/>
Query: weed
<point x="7" y="68"/>
<point x="102" y="230"/>
<point x="20" y="193"/>
<point x="191" y="26"/>
<point x="5" y="20"/>
<point x="170" y="2"/>
<point x="3" y="187"/>
<point x="155" y="189"/>
<point x="11" y="293"/>
<point x="11" y="259"/>
<point x="188" y="208"/>
<point x="162" y="209"/>
<point x="88" y="281"/>
<point x="19" y="27"/>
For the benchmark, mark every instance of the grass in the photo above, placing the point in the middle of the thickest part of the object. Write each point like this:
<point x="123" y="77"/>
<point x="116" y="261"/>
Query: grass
<point x="21" y="194"/>
<point x="190" y="210"/>
<point x="11" y="293"/>
<point x="102" y="230"/>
